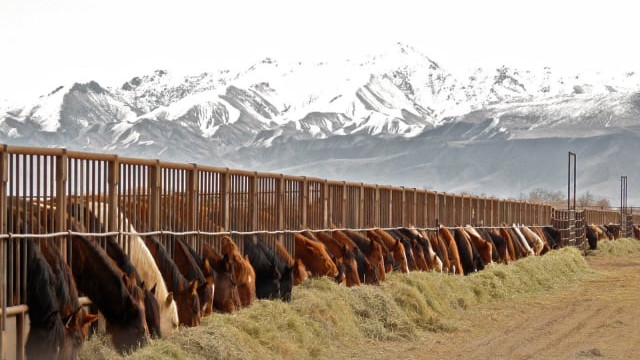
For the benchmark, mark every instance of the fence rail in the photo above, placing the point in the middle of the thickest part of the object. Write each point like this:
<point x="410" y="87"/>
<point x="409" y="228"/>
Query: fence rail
<point x="40" y="186"/>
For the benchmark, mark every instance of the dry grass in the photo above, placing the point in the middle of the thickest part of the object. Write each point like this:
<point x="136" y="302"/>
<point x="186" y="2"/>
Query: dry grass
<point x="325" y="319"/>
<point x="619" y="247"/>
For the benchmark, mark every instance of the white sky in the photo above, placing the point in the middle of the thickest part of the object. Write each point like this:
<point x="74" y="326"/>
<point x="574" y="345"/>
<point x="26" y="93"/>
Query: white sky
<point x="45" y="43"/>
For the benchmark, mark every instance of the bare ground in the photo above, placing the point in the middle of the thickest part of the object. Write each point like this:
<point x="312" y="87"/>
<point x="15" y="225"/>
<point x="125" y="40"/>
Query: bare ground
<point x="597" y="318"/>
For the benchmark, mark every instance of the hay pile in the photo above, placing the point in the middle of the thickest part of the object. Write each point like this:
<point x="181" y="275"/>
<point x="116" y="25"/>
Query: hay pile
<point x="618" y="247"/>
<point x="324" y="318"/>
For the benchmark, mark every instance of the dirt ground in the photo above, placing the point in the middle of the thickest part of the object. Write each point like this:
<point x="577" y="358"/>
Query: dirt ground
<point x="599" y="318"/>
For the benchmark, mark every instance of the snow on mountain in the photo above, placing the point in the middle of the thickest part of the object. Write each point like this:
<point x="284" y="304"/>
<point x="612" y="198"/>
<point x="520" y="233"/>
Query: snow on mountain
<point x="398" y="110"/>
<point x="66" y="111"/>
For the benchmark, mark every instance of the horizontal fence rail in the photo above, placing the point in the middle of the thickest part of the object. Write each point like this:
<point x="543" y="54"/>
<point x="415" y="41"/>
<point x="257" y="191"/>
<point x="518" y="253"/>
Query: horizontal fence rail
<point x="42" y="190"/>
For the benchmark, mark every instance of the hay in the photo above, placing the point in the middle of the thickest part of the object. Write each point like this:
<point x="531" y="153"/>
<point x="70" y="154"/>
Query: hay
<point x="618" y="247"/>
<point x="325" y="319"/>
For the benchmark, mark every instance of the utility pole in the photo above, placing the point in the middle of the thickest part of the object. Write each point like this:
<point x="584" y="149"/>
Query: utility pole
<point x="569" y="207"/>
<point x="623" y="204"/>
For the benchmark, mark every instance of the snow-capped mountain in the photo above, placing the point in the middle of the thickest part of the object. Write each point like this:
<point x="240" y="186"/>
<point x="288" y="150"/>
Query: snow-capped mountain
<point x="396" y="117"/>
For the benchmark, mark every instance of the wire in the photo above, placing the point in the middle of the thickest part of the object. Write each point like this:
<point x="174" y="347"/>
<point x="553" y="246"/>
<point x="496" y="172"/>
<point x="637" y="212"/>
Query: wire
<point x="233" y="232"/>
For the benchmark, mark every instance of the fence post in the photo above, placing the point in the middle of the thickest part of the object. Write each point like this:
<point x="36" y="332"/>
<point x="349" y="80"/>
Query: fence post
<point x="20" y="336"/>
<point x="344" y="204"/>
<point x="61" y="188"/>
<point x="253" y="201"/>
<point x="376" y="208"/>
<point x="403" y="207"/>
<point x="4" y="168"/>
<point x="325" y="204"/>
<point x="113" y="178"/>
<point x="225" y="182"/>
<point x="279" y="204"/>
<point x="192" y="198"/>
<point x="390" y="208"/>
<point x="436" y="209"/>
<point x="155" y="192"/>
<point x="305" y="202"/>
<point x="361" y="207"/>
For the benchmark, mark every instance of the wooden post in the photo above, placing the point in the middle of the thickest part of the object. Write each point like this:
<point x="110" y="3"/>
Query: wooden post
<point x="414" y="209"/>
<point x="304" y="203"/>
<point x="376" y="208"/>
<point x="4" y="177"/>
<point x="325" y="204"/>
<point x="113" y="178"/>
<point x="390" y="208"/>
<point x="344" y="204"/>
<point x="20" y="336"/>
<point x="403" y="207"/>
<point x="361" y="220"/>
<point x="280" y="205"/>
<point x="155" y="193"/>
<point x="225" y="185"/>
<point x="61" y="200"/>
<point x="253" y="202"/>
<point x="192" y="198"/>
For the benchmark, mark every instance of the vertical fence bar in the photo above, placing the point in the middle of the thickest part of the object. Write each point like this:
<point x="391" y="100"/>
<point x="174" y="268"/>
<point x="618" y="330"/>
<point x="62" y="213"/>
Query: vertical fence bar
<point x="155" y="194"/>
<point x="253" y="201"/>
<point x="4" y="173"/>
<point x="304" y="203"/>
<point x="326" y="215"/>
<point x="61" y="186"/>
<point x="225" y="184"/>
<point x="376" y="208"/>
<point x="280" y="203"/>
<point x="113" y="178"/>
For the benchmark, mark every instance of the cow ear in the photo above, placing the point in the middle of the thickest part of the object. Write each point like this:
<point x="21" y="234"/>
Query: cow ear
<point x="169" y="298"/>
<point x="153" y="289"/>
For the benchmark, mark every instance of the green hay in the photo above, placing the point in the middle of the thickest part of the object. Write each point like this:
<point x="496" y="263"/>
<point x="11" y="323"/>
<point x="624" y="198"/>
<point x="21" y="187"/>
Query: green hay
<point x="618" y="247"/>
<point x="325" y="319"/>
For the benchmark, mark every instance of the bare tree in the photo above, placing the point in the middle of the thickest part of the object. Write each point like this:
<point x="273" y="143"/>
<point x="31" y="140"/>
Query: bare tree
<point x="603" y="204"/>
<point x="587" y="199"/>
<point x="543" y="196"/>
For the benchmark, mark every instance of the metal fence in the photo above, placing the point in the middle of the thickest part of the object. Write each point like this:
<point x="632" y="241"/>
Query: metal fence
<point x="38" y="185"/>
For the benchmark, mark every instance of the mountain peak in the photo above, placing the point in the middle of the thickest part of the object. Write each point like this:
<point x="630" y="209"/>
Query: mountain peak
<point x="85" y="88"/>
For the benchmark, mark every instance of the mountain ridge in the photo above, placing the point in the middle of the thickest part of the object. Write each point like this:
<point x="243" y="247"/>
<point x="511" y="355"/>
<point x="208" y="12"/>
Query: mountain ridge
<point x="274" y="116"/>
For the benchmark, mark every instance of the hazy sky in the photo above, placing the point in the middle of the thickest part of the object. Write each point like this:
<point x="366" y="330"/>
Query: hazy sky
<point x="46" y="43"/>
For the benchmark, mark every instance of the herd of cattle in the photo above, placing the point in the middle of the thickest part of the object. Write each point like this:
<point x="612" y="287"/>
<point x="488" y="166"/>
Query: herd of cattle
<point x="147" y="293"/>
